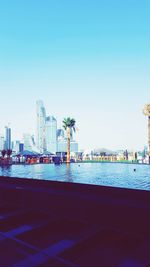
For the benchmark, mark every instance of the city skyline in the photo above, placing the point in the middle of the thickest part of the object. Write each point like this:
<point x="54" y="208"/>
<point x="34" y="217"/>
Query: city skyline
<point x="48" y="118"/>
<point x="48" y="138"/>
<point x="89" y="61"/>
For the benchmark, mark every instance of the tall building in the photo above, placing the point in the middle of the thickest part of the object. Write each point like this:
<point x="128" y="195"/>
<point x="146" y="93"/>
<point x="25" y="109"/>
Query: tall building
<point x="28" y="141"/>
<point x="15" y="146"/>
<point x="48" y="138"/>
<point x="51" y="134"/>
<point x="60" y="134"/>
<point x="8" y="138"/>
<point x="21" y="147"/>
<point x="41" y="121"/>
<point x="2" y="142"/>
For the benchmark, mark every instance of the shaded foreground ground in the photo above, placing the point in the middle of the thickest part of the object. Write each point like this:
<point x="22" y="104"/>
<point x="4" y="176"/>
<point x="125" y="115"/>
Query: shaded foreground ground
<point x="54" y="224"/>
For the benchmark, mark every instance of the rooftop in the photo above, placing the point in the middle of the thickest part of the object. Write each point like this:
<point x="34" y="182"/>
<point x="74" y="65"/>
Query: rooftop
<point x="45" y="223"/>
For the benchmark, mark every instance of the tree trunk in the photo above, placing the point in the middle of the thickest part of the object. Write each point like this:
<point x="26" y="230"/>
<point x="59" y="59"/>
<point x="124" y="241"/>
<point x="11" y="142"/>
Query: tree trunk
<point x="149" y="139"/>
<point x="68" y="144"/>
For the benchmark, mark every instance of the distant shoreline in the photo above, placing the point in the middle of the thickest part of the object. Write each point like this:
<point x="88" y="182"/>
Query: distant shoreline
<point x="121" y="162"/>
<point x="77" y="162"/>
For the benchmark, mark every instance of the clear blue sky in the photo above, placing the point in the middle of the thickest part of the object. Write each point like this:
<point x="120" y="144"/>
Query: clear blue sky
<point x="89" y="59"/>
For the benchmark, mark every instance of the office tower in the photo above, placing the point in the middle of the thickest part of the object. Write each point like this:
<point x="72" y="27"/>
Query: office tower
<point x="51" y="134"/>
<point x="21" y="147"/>
<point x="29" y="143"/>
<point x="2" y="142"/>
<point x="15" y="146"/>
<point x="41" y="121"/>
<point x="60" y="134"/>
<point x="8" y="138"/>
<point x="48" y="138"/>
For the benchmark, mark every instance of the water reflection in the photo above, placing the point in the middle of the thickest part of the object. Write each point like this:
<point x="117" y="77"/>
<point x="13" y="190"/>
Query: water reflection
<point x="5" y="170"/>
<point x="69" y="174"/>
<point x="118" y="175"/>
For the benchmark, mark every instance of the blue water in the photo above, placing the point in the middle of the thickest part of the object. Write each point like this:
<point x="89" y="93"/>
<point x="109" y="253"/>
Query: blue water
<point x="108" y="174"/>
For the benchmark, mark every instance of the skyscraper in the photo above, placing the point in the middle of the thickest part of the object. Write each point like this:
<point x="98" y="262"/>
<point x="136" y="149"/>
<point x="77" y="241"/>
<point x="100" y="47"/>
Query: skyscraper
<point x="2" y="142"/>
<point x="8" y="138"/>
<point x="41" y="121"/>
<point x="51" y="134"/>
<point x="29" y="143"/>
<point x="60" y="134"/>
<point x="16" y="145"/>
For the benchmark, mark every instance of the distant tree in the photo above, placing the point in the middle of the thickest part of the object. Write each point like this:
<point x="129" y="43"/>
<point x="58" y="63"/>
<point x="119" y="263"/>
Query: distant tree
<point x="9" y="152"/>
<point x="3" y="152"/>
<point x="69" y="125"/>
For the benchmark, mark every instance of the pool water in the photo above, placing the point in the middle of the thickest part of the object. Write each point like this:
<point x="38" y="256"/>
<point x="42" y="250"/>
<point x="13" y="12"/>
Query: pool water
<point x="107" y="174"/>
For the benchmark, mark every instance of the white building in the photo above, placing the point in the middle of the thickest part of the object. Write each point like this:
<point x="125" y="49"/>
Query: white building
<point x="62" y="146"/>
<point x="8" y="144"/>
<point x="48" y="138"/>
<point x="41" y="121"/>
<point x="51" y="134"/>
<point x="60" y="134"/>
<point x="16" y="145"/>
<point x="29" y="143"/>
<point x="2" y="142"/>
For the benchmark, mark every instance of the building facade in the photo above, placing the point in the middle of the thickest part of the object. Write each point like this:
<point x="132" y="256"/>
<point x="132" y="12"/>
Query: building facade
<point x="48" y="138"/>
<point x="62" y="146"/>
<point x="28" y="141"/>
<point x="8" y="144"/>
<point x="41" y="119"/>
<point x="15" y="146"/>
<point x="51" y="134"/>
<point x="2" y="142"/>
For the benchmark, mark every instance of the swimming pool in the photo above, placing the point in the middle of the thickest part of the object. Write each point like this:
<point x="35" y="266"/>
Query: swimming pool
<point x="106" y="174"/>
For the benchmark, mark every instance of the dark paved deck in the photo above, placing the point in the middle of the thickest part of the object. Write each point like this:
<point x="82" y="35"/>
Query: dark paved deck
<point x="70" y="225"/>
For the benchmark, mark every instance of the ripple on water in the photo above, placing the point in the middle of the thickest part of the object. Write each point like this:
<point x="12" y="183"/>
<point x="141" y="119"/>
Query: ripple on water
<point x="117" y="175"/>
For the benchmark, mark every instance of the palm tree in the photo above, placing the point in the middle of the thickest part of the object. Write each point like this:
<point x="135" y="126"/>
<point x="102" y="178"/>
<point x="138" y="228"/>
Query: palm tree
<point x="146" y="112"/>
<point x="69" y="125"/>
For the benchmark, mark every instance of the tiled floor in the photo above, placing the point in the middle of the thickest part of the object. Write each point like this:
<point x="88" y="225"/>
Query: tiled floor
<point x="70" y="232"/>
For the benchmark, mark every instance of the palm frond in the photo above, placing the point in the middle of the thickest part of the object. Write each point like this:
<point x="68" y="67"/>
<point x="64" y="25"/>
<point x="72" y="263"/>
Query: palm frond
<point x="68" y="123"/>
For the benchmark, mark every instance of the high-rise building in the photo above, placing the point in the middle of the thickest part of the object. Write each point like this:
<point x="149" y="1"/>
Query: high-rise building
<point x="49" y="139"/>
<point x="60" y="134"/>
<point x="2" y="142"/>
<point x="51" y="134"/>
<point x="41" y="121"/>
<point x="29" y="143"/>
<point x="8" y="144"/>
<point x="21" y="147"/>
<point x="15" y="146"/>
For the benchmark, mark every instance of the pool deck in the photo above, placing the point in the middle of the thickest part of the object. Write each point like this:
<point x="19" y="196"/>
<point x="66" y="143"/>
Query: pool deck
<point x="58" y="224"/>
